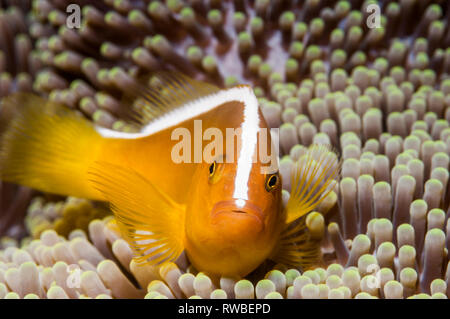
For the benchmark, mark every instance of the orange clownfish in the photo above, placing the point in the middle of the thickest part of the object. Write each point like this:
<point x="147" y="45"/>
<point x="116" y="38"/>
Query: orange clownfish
<point x="224" y="210"/>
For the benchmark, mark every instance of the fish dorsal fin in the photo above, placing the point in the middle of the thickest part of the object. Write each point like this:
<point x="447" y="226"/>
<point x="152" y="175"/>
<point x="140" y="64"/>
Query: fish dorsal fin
<point x="313" y="177"/>
<point x="149" y="220"/>
<point x="156" y="95"/>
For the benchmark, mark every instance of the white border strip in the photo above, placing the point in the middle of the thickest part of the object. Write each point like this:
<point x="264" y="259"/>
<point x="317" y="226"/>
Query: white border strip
<point x="190" y="110"/>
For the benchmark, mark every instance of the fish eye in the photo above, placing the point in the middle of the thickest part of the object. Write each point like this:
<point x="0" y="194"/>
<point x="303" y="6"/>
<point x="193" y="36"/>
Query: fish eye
<point x="271" y="182"/>
<point x="212" y="169"/>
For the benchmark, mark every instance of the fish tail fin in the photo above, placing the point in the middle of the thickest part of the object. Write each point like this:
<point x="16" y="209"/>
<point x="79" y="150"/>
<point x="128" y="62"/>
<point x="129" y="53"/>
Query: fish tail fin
<point x="45" y="146"/>
<point x="312" y="182"/>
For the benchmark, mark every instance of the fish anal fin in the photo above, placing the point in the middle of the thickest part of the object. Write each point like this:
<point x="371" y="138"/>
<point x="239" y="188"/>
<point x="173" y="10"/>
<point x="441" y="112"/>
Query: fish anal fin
<point x="148" y="219"/>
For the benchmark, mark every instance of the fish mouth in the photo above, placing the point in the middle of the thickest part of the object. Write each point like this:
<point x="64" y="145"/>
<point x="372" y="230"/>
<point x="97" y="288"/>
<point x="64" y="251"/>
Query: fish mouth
<point x="239" y="209"/>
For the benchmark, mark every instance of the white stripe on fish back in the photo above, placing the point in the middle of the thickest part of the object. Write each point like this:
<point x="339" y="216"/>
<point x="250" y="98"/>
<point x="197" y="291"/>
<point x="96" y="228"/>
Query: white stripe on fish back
<point x="249" y="139"/>
<point x="250" y="127"/>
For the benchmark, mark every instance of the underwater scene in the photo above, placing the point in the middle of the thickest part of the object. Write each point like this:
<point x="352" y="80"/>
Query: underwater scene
<point x="224" y="149"/>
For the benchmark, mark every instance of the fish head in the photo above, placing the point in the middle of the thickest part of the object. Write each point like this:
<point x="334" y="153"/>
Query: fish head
<point x="229" y="232"/>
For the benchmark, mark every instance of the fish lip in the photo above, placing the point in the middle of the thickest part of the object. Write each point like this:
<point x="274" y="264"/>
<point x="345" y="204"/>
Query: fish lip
<point x="230" y="207"/>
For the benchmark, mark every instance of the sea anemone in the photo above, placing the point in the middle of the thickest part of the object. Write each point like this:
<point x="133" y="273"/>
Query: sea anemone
<point x="322" y="74"/>
<point x="63" y="217"/>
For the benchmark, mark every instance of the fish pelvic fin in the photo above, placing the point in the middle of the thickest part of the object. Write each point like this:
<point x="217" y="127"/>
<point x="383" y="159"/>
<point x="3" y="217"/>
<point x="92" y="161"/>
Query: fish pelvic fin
<point x="313" y="180"/>
<point x="46" y="146"/>
<point x="299" y="244"/>
<point x="148" y="219"/>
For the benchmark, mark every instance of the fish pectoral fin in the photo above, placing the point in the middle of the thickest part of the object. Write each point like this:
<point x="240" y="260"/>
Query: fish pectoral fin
<point x="312" y="181"/>
<point x="313" y="177"/>
<point x="148" y="219"/>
